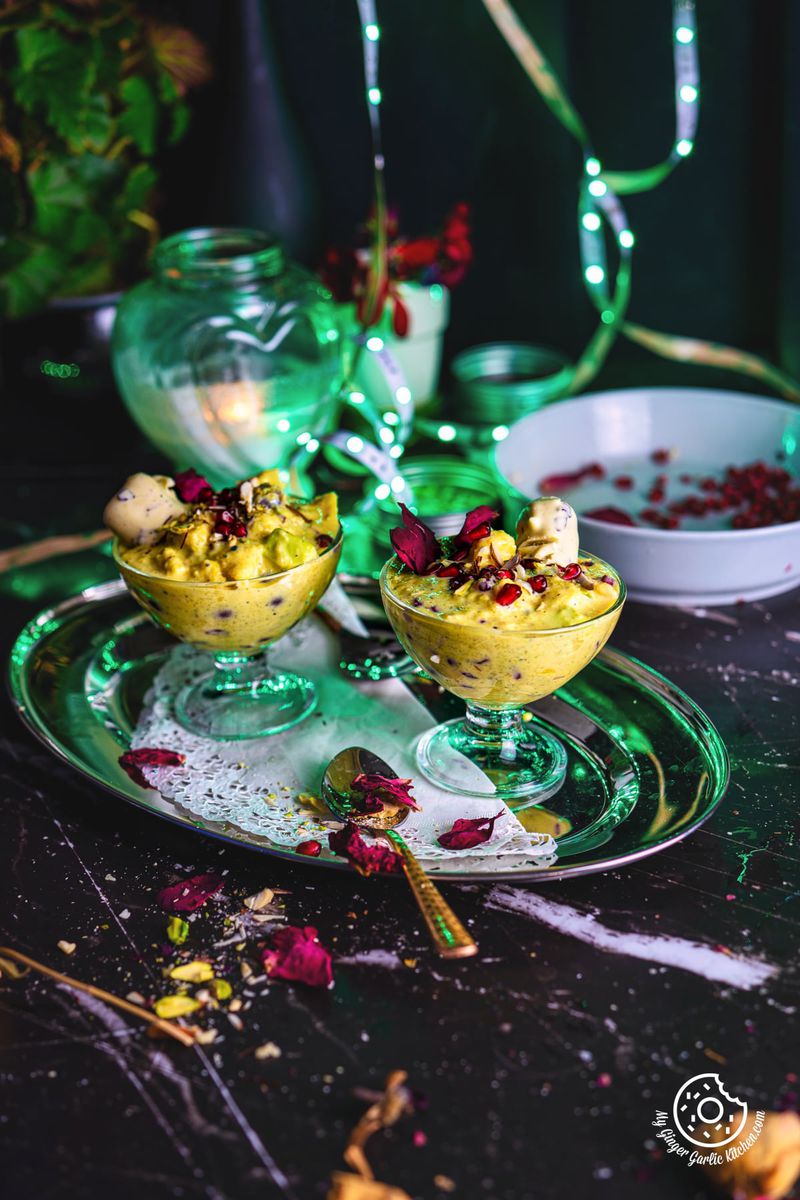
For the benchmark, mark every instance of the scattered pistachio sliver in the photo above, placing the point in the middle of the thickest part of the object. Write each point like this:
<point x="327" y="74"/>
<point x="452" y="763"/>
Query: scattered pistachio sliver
<point x="175" y="1006"/>
<point x="260" y="899"/>
<point x="221" y="989"/>
<point x="66" y="947"/>
<point x="177" y="930"/>
<point x="193" y="972"/>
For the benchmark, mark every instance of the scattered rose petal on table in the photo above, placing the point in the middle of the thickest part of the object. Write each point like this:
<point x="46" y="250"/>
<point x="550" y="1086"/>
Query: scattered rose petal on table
<point x="378" y="790"/>
<point x="189" y="894"/>
<point x="298" y="955"/>
<point x="414" y="544"/>
<point x="148" y="756"/>
<point x="468" y="832"/>
<point x="368" y="858"/>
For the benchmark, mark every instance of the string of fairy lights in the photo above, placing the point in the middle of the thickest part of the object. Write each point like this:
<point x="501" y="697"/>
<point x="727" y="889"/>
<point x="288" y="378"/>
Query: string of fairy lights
<point x="600" y="213"/>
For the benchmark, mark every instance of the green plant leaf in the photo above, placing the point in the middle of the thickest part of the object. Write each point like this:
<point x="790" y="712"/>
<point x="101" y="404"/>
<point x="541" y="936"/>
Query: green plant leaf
<point x="97" y="125"/>
<point x="65" y="188"/>
<point x="180" y="123"/>
<point x="136" y="190"/>
<point x="139" y="118"/>
<point x="53" y="79"/>
<point x="26" y="285"/>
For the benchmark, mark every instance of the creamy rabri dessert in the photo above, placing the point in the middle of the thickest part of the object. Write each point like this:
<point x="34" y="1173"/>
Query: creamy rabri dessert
<point x="496" y="619"/>
<point x="228" y="570"/>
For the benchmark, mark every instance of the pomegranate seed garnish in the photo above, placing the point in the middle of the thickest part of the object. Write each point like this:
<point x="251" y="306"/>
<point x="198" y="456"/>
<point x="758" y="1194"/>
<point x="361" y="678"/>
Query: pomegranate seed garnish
<point x="655" y="495"/>
<point x="661" y="456"/>
<point x="449" y="572"/>
<point x="457" y="581"/>
<point x="311" y="849"/>
<point x="651" y="515"/>
<point x="571" y="571"/>
<point x="553" y="484"/>
<point x="508" y="593"/>
<point x="610" y="515"/>
<point x="504" y="573"/>
<point x="623" y="482"/>
<point x="685" y="478"/>
<point x="323" y="540"/>
<point x="475" y="535"/>
<point x="708" y="484"/>
<point x="539" y="583"/>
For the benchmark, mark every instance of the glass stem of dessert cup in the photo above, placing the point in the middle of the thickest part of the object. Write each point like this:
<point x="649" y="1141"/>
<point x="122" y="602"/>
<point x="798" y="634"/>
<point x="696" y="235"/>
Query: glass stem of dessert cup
<point x="242" y="698"/>
<point x="498" y="752"/>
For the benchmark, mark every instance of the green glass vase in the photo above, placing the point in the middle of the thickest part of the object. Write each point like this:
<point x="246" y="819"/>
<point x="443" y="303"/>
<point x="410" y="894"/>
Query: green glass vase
<point x="228" y="356"/>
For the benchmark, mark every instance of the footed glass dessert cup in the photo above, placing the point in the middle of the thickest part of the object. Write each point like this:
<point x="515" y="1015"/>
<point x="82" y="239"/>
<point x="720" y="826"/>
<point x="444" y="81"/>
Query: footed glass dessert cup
<point x="240" y="697"/>
<point x="495" y="749"/>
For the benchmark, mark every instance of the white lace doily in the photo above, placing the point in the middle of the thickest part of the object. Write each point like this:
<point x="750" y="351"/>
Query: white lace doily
<point x="270" y="786"/>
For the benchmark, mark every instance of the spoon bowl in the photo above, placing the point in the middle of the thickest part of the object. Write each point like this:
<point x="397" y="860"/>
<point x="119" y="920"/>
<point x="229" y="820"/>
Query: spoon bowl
<point x="450" y="937"/>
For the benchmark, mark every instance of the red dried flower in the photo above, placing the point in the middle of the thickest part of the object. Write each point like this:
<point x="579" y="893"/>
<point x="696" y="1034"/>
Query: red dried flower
<point x="368" y="858"/>
<point x="298" y="955"/>
<point x="468" y="832"/>
<point x="414" y="544"/>
<point x="193" y="488"/>
<point x="189" y="894"/>
<point x="385" y="789"/>
<point x="132" y="762"/>
<point x="477" y="524"/>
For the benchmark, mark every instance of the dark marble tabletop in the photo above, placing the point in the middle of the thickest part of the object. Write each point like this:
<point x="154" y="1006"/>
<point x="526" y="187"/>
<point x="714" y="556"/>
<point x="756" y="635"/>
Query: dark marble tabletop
<point x="542" y="1061"/>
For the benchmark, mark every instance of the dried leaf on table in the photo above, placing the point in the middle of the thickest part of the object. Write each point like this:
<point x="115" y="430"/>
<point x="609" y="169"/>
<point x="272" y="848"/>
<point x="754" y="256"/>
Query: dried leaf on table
<point x="771" y="1166"/>
<point x="394" y="1103"/>
<point x="355" y="1187"/>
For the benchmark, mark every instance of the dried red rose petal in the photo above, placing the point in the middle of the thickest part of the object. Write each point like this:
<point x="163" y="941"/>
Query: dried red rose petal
<point x="385" y="789"/>
<point x="451" y="571"/>
<point x="368" y="858"/>
<point x="189" y="894"/>
<point x="476" y="523"/>
<point x="414" y="544"/>
<point x="468" y="832"/>
<point x="192" y="488"/>
<point x="132" y="762"/>
<point x="611" y="515"/>
<point x="508" y="593"/>
<point x="298" y="955"/>
<point x="311" y="849"/>
<point x="553" y="484"/>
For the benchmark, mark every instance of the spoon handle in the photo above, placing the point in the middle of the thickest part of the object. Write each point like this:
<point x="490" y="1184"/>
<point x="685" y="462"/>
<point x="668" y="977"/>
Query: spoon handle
<point x="450" y="937"/>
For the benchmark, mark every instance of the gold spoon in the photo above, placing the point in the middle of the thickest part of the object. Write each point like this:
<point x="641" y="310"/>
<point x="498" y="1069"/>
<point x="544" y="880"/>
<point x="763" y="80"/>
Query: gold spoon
<point x="450" y="937"/>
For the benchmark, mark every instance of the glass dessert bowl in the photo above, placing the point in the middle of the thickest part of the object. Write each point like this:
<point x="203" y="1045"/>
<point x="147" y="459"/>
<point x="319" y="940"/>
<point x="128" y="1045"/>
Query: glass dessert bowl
<point x="178" y="573"/>
<point x="499" y="626"/>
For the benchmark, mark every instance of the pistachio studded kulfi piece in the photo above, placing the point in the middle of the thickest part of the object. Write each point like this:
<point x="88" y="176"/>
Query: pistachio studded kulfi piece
<point x="547" y="530"/>
<point x="260" y="559"/>
<point x="141" y="508"/>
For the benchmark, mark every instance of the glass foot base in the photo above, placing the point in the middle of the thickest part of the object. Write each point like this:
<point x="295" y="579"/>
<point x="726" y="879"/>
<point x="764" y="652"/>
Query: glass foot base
<point x="248" y="710"/>
<point x="523" y="764"/>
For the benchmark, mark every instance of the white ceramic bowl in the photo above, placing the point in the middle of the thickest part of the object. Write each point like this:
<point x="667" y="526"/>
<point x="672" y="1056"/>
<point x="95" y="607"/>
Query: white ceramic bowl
<point x="707" y="430"/>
